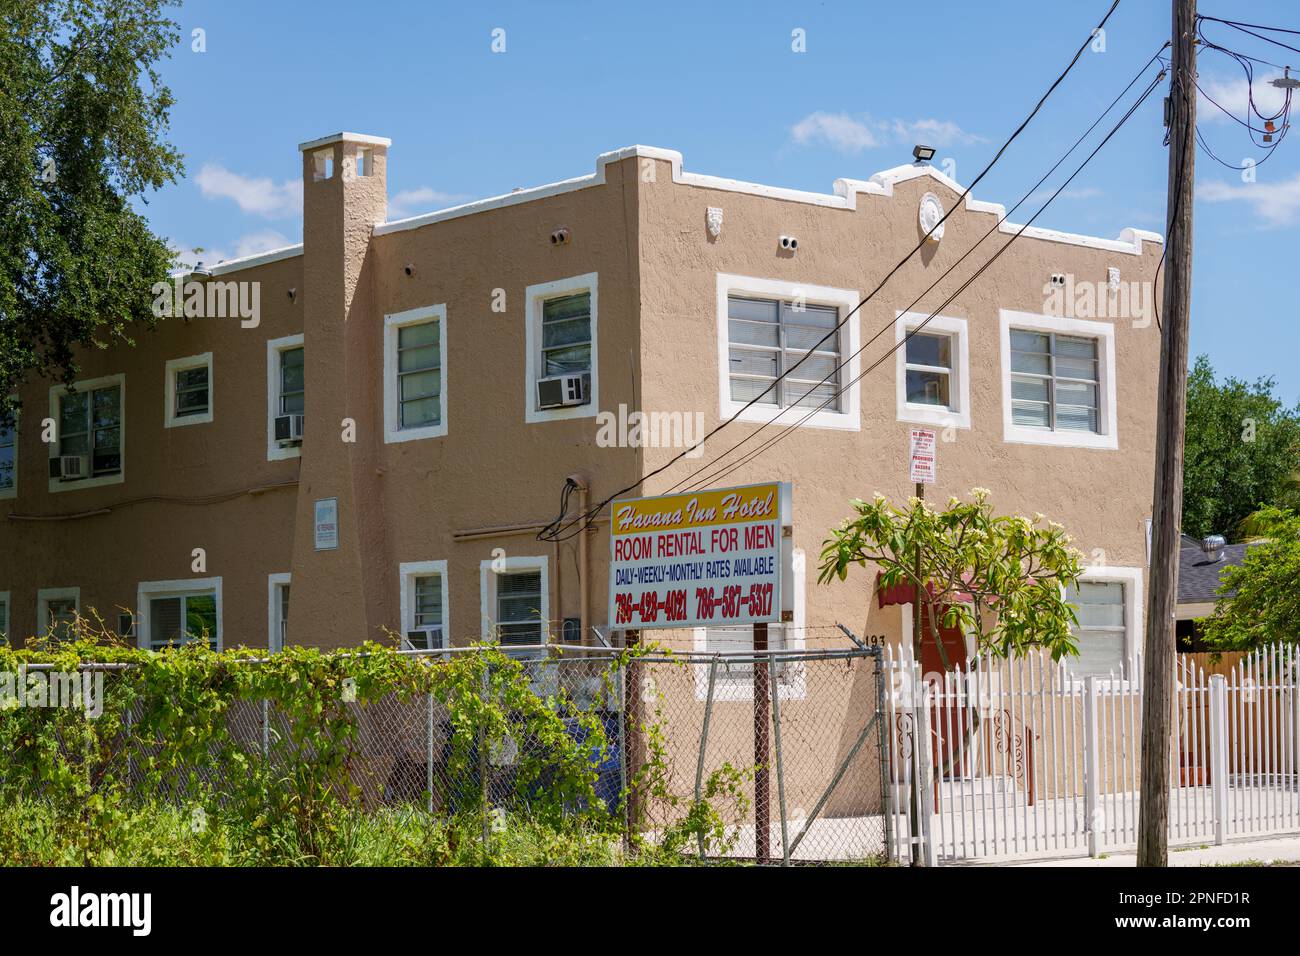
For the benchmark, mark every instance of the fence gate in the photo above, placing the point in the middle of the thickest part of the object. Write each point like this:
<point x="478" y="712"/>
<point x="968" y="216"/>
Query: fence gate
<point x="1022" y="758"/>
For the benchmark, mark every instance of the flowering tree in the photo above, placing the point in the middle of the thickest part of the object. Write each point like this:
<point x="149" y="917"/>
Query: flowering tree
<point x="1000" y="577"/>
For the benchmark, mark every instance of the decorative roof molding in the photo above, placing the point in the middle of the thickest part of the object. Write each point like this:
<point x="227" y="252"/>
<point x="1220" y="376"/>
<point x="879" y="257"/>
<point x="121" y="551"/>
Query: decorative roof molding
<point x="845" y="196"/>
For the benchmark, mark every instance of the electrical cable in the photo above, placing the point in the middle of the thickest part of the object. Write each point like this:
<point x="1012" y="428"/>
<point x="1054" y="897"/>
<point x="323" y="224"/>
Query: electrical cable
<point x="550" y="532"/>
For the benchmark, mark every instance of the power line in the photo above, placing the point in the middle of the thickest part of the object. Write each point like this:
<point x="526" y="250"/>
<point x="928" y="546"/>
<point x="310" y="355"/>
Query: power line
<point x="553" y="530"/>
<point x="713" y="477"/>
<point x="997" y="225"/>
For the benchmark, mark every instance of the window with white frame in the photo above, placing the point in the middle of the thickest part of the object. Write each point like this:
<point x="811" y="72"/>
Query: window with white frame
<point x="56" y="612"/>
<point x="424" y="604"/>
<point x="188" y="391"/>
<point x="1058" y="381"/>
<point x="1054" y="381"/>
<point x="771" y="338"/>
<point x="285" y="394"/>
<point x="560" y="337"/>
<point x="933" y="370"/>
<point x="9" y="454"/>
<point x="415" y="382"/>
<point x="1108" y="633"/>
<point x="515" y="601"/>
<point x="175" y="613"/>
<point x="277" y="600"/>
<point x="91" y="428"/>
<point x="784" y="345"/>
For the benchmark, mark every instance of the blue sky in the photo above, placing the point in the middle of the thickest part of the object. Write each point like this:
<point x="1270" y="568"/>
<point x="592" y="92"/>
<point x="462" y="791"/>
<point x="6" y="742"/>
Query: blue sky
<point x="721" y="83"/>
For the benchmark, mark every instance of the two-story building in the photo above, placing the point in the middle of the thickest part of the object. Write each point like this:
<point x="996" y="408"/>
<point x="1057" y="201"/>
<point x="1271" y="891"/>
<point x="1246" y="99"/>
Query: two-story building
<point x="383" y="440"/>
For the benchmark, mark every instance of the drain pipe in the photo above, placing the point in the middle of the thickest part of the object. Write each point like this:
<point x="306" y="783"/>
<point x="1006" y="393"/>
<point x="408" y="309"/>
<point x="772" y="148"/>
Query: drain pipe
<point x="583" y="545"/>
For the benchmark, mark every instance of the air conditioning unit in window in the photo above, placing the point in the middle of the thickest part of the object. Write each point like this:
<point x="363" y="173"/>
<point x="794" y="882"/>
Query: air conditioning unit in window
<point x="423" y="639"/>
<point x="560" y="391"/>
<point x="288" y="428"/>
<point x="70" y="467"/>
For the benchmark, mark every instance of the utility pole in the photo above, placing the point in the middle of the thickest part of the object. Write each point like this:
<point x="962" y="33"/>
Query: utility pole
<point x="1167" y="504"/>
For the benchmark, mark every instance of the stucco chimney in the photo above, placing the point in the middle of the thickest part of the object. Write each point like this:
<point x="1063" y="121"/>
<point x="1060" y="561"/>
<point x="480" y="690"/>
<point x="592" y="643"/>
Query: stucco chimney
<point x="344" y="197"/>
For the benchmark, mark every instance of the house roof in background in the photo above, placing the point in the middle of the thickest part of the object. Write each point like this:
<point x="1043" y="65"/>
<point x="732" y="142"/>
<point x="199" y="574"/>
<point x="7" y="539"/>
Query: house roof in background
<point x="1198" y="576"/>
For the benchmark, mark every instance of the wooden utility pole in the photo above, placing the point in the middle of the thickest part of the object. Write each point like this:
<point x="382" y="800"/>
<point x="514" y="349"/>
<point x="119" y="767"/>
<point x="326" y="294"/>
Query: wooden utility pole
<point x="1167" y="504"/>
<point x="918" y="858"/>
<point x="762" y="781"/>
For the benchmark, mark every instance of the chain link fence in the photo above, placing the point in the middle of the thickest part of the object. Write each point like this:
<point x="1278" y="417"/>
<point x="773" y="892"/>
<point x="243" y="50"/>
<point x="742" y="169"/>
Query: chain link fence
<point x="782" y="747"/>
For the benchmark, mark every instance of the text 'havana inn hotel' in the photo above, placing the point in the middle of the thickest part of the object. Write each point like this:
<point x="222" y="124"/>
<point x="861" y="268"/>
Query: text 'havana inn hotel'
<point x="432" y="382"/>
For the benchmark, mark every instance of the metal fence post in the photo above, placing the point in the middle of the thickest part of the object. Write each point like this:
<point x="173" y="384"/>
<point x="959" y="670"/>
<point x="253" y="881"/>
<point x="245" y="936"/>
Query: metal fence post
<point x="1219" y="754"/>
<point x="266" y="728"/>
<point x="704" y="741"/>
<point x="1091" y="767"/>
<point x="924" y="801"/>
<point x="483" y="761"/>
<point x="428" y="766"/>
<point x="780" y="767"/>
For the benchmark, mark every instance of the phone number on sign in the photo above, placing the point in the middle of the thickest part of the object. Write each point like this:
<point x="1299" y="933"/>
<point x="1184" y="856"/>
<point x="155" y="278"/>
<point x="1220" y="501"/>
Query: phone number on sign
<point x="723" y="604"/>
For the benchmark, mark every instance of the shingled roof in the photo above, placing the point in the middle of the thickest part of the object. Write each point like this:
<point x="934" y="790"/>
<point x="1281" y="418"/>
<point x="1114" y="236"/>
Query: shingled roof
<point x="1198" y="576"/>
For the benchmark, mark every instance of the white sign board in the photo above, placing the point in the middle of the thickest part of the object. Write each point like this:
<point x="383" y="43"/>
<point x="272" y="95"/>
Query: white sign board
<point x="327" y="524"/>
<point x="694" y="560"/>
<point x="923" y="456"/>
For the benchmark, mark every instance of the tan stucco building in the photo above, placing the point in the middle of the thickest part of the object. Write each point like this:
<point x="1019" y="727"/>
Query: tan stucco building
<point x="177" y="486"/>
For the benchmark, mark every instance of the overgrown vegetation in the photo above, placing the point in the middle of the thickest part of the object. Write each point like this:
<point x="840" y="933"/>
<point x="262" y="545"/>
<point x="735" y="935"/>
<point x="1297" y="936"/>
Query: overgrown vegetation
<point x="1259" y="602"/>
<point x="159" y="778"/>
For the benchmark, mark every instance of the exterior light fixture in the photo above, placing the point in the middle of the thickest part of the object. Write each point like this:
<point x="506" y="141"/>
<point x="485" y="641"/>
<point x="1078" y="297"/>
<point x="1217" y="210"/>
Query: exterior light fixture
<point x="923" y="154"/>
<point x="200" y="271"/>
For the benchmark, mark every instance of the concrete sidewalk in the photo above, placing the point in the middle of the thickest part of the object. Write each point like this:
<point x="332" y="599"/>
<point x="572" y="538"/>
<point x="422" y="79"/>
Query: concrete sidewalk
<point x="1274" y="850"/>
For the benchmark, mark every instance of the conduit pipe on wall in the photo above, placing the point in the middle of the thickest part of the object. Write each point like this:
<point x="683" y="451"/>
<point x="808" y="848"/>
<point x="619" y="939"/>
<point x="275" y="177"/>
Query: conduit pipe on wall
<point x="584" y="549"/>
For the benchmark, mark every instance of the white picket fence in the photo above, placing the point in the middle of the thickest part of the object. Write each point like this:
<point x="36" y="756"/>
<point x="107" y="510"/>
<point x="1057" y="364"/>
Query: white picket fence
<point x="1024" y="759"/>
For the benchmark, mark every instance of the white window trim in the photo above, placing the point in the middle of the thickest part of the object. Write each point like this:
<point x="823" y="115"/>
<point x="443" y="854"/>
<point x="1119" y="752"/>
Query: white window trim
<point x="274" y="451"/>
<point x="185" y="587"/>
<point x="534" y="296"/>
<point x="8" y="493"/>
<point x="273" y="583"/>
<point x="392" y="416"/>
<point x="56" y="393"/>
<point x="170" y="420"/>
<point x="407" y="572"/>
<point x="1134" y="618"/>
<point x="957" y="416"/>
<point x="794" y="685"/>
<point x="850" y="418"/>
<point x="53" y="594"/>
<point x="6" y="598"/>
<point x="488" y="589"/>
<point x="1107" y="415"/>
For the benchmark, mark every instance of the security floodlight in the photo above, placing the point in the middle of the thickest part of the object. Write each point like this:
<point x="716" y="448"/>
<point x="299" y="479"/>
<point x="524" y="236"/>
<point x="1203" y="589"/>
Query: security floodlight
<point x="923" y="154"/>
<point x="199" y="272"/>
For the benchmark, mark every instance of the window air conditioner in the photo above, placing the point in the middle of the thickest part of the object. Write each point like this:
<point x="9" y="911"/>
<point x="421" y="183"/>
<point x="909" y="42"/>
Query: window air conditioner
<point x="560" y="391"/>
<point x="70" y="467"/>
<point x="423" y="639"/>
<point x="288" y="428"/>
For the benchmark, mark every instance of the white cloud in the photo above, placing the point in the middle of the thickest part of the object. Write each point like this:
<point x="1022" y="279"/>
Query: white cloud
<point x="838" y="130"/>
<point x="249" y="244"/>
<point x="1276" y="204"/>
<point x="412" y="202"/>
<point x="254" y="194"/>
<point x="853" y="134"/>
<point x="1231" y="95"/>
<point x="263" y="240"/>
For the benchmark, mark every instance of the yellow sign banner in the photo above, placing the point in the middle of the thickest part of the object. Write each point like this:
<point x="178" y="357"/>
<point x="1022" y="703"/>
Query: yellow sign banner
<point x="697" y="510"/>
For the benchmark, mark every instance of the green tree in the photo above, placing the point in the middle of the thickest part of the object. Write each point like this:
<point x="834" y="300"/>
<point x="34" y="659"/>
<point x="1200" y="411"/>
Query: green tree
<point x="1259" y="602"/>
<point x="84" y="116"/>
<point x="1000" y="577"/>
<point x="1242" y="452"/>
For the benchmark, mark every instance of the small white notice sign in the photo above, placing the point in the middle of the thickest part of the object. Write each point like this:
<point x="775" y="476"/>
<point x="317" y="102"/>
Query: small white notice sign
<point x="327" y="524"/>
<point x="923" y="455"/>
